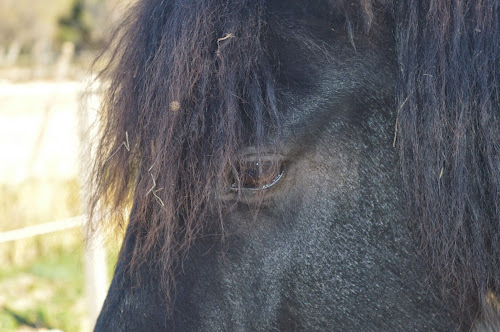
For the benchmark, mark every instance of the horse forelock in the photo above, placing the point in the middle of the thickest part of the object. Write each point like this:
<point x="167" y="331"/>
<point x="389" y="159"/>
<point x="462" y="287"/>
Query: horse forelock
<point x="187" y="85"/>
<point x="191" y="82"/>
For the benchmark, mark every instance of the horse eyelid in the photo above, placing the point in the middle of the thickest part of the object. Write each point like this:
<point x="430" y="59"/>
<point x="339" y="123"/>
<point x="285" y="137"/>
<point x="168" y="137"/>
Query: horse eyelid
<point x="275" y="180"/>
<point x="269" y="185"/>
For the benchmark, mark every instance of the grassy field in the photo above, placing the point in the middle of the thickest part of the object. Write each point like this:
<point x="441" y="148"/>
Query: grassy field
<point x="41" y="278"/>
<point x="46" y="292"/>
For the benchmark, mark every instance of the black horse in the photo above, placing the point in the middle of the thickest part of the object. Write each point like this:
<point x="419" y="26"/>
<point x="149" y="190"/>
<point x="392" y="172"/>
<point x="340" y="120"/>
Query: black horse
<point x="320" y="165"/>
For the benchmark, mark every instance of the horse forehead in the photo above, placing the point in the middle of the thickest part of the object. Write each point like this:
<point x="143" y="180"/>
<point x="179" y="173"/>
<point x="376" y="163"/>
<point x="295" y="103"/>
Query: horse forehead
<point x="309" y="45"/>
<point x="327" y="3"/>
<point x="318" y="83"/>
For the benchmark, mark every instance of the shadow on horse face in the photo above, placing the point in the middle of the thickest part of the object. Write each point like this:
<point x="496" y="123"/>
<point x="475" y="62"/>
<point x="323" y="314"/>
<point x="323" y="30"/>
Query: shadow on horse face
<point x="320" y="242"/>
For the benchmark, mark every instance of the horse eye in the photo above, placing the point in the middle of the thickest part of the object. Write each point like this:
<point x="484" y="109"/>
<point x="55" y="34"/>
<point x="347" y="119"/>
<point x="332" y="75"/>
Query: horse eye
<point x="254" y="175"/>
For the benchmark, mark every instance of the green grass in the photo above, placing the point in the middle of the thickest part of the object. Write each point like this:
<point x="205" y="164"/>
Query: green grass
<point x="42" y="278"/>
<point x="48" y="292"/>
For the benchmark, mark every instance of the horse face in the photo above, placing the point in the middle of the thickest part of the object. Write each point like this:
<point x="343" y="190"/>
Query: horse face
<point x="327" y="248"/>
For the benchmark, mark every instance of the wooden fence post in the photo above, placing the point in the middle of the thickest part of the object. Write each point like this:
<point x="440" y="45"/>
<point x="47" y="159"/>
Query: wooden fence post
<point x="96" y="280"/>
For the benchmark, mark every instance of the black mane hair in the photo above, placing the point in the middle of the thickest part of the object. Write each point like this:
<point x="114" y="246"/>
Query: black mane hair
<point x="189" y="83"/>
<point x="448" y="133"/>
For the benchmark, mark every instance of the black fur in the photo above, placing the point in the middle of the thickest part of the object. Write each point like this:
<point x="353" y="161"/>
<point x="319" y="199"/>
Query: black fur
<point x="383" y="117"/>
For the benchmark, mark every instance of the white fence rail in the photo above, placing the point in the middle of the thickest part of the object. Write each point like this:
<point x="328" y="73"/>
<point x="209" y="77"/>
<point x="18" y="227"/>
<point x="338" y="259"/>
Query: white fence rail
<point x="46" y="228"/>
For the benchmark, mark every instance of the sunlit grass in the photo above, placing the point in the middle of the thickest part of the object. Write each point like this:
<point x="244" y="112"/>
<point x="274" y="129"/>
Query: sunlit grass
<point x="42" y="278"/>
<point x="47" y="293"/>
<point x="34" y="202"/>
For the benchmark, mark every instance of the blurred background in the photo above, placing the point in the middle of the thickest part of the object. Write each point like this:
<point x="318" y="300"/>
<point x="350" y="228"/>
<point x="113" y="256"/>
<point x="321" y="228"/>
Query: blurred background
<point x="47" y="281"/>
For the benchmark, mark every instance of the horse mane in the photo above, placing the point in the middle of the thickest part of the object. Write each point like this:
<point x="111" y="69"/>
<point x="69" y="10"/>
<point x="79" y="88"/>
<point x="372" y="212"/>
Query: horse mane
<point x="189" y="83"/>
<point x="448" y="133"/>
